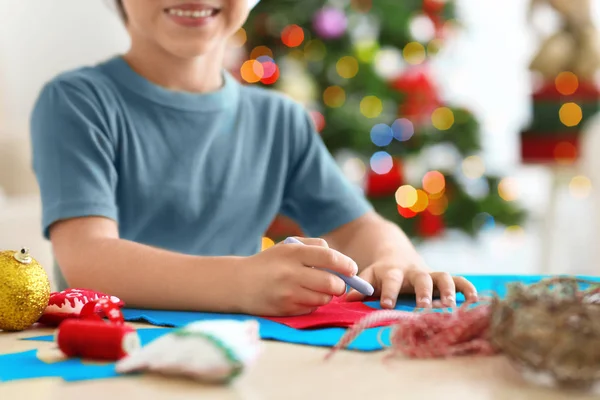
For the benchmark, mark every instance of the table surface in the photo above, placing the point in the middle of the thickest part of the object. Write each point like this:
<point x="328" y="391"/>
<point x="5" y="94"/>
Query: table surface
<point x="286" y="371"/>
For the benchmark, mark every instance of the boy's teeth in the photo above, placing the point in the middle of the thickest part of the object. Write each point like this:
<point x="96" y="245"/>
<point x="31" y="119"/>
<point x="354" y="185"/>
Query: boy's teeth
<point x="190" y="14"/>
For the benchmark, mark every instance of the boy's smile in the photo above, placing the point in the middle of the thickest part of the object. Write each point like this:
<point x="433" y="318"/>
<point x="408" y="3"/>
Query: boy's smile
<point x="192" y="14"/>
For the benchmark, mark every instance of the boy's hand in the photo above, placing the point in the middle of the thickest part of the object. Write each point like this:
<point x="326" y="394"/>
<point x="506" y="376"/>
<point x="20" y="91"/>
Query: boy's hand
<point x="280" y="281"/>
<point x="392" y="277"/>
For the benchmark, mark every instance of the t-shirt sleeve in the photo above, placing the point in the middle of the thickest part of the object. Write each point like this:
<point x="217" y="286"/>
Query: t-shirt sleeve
<point x="73" y="154"/>
<point x="318" y="196"/>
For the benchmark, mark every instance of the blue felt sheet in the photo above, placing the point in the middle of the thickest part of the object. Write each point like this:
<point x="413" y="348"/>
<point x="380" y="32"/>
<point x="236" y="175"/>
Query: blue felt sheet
<point x="25" y="365"/>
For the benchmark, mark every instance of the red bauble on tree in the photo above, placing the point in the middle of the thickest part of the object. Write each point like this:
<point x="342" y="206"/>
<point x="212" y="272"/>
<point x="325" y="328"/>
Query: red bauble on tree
<point x="430" y="225"/>
<point x="421" y="94"/>
<point x="381" y="185"/>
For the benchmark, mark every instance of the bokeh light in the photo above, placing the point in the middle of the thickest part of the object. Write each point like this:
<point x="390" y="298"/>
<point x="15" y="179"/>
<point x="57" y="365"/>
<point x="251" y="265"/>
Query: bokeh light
<point x="334" y="96"/>
<point x="371" y="106"/>
<point x="508" y="189"/>
<point x="362" y="6"/>
<point x="514" y="230"/>
<point x="267" y="243"/>
<point x="347" y="67"/>
<point x="315" y="50"/>
<point x="406" y="212"/>
<point x="366" y="50"/>
<point x="260" y="51"/>
<point x="252" y="71"/>
<point x="381" y="135"/>
<point x="318" y="120"/>
<point x="566" y="83"/>
<point x="437" y="205"/>
<point x="434" y="182"/>
<point x="406" y="196"/>
<point x="381" y="162"/>
<point x="421" y="203"/>
<point x="570" y="114"/>
<point x="580" y="187"/>
<point x="354" y="169"/>
<point x="484" y="221"/>
<point x="422" y="28"/>
<point x="434" y="46"/>
<point x="403" y="129"/>
<point x="442" y="118"/>
<point x="270" y="73"/>
<point x="239" y="38"/>
<point x="565" y="153"/>
<point x="292" y="36"/>
<point x="414" y="53"/>
<point x="388" y="62"/>
<point x="473" y="167"/>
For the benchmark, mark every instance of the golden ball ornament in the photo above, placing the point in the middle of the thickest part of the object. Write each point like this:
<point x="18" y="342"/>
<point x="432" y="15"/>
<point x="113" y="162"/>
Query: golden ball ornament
<point x="24" y="290"/>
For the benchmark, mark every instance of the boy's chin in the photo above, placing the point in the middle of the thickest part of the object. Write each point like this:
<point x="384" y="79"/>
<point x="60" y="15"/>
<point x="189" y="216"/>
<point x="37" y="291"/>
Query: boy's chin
<point x="196" y="50"/>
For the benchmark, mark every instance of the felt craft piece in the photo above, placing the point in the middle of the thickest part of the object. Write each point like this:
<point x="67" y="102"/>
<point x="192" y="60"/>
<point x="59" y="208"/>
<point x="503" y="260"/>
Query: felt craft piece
<point x="69" y="303"/>
<point x="208" y="351"/>
<point x="338" y="313"/>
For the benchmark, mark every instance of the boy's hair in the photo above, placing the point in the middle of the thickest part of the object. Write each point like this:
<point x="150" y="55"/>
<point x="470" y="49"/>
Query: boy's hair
<point x="121" y="9"/>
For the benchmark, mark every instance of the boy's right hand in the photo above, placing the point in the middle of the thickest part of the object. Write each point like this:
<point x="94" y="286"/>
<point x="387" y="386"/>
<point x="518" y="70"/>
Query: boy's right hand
<point x="279" y="281"/>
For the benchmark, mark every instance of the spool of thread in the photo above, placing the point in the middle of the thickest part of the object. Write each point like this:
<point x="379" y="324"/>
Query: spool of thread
<point x="96" y="340"/>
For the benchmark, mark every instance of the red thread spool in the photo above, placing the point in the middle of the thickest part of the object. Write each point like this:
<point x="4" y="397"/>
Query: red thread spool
<point x="96" y="339"/>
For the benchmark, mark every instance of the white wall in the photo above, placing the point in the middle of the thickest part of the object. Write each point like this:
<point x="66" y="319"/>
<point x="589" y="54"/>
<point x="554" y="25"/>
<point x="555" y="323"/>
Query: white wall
<point x="40" y="38"/>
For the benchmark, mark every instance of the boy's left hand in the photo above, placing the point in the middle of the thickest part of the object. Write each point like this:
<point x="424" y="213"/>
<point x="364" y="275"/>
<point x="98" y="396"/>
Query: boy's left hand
<point x="391" y="278"/>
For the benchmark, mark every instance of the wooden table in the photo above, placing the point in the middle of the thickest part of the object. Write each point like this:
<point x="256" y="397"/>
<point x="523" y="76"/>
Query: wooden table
<point x="290" y="372"/>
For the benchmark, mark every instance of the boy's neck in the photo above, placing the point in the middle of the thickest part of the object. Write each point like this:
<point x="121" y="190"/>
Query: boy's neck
<point x="197" y="75"/>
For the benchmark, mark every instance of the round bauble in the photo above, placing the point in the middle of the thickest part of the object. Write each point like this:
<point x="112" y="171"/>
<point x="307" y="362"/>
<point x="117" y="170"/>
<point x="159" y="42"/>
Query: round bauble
<point x="24" y="290"/>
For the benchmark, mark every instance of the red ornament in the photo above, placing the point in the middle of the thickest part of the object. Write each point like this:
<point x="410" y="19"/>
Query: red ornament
<point x="381" y="185"/>
<point x="406" y="212"/>
<point x="70" y="303"/>
<point x="91" y="338"/>
<point x="421" y="94"/>
<point x="433" y="6"/>
<point x="430" y="225"/>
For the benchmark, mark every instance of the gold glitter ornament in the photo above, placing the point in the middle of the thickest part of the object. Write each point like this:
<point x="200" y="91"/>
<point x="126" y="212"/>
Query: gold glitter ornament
<point x="24" y="290"/>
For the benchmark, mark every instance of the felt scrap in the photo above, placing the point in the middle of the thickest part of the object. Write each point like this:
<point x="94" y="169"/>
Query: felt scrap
<point x="338" y="313"/>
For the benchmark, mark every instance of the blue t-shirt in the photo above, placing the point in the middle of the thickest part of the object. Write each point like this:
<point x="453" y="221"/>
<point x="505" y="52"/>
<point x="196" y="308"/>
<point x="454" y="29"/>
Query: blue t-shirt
<point x="201" y="174"/>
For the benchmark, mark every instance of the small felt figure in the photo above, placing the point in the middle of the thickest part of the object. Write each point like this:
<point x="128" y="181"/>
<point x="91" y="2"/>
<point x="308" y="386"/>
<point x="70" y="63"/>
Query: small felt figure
<point x="68" y="304"/>
<point x="215" y="351"/>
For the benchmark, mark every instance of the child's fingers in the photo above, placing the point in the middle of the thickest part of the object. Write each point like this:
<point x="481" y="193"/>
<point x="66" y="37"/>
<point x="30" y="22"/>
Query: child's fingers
<point x="423" y="285"/>
<point x="466" y="288"/>
<point x="320" y="281"/>
<point x="391" y="283"/>
<point x="312" y="241"/>
<point x="324" y="257"/>
<point x="445" y="285"/>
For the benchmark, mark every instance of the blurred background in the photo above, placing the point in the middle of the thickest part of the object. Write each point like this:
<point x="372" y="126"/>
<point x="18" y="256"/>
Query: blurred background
<point x="471" y="124"/>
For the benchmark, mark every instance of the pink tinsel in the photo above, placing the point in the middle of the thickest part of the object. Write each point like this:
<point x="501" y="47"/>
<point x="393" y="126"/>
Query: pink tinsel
<point x="430" y="334"/>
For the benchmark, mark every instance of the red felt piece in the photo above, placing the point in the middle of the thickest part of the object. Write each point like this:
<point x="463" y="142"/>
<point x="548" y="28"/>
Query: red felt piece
<point x="338" y="313"/>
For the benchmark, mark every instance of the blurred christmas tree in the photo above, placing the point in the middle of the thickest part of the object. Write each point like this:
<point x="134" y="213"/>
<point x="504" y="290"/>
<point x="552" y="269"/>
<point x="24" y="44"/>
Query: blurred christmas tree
<point x="362" y="69"/>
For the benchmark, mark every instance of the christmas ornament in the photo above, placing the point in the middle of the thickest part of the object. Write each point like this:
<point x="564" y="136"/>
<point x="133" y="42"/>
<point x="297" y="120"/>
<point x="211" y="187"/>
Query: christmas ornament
<point x="214" y="351"/>
<point x="92" y="338"/>
<point x="69" y="303"/>
<point x="430" y="225"/>
<point x="422" y="96"/>
<point x="330" y="23"/>
<point x="379" y="185"/>
<point x="575" y="47"/>
<point x="24" y="290"/>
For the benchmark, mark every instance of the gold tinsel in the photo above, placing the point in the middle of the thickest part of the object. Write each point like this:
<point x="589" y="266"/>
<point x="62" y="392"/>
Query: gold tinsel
<point x="551" y="328"/>
<point x="24" y="290"/>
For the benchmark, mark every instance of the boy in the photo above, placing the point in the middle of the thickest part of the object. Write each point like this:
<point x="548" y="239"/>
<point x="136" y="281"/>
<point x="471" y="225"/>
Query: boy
<point x="159" y="173"/>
